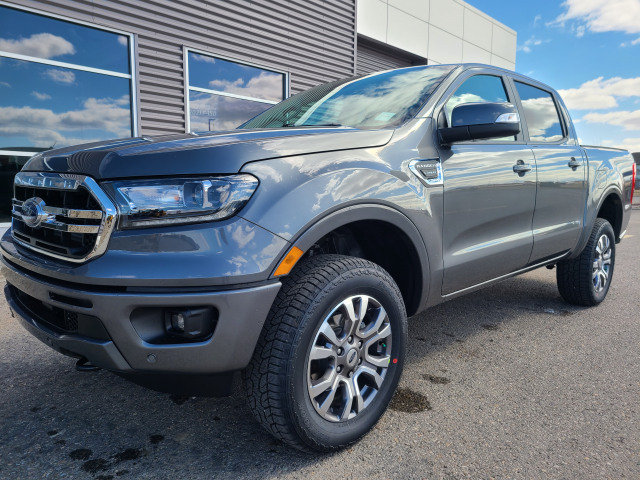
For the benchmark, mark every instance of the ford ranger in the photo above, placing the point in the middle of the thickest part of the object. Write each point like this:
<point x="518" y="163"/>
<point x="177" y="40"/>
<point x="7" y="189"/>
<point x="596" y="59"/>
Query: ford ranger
<point x="293" y="248"/>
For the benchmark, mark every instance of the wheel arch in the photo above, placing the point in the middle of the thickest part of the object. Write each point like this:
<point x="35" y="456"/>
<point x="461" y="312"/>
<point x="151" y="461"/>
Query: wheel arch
<point x="611" y="209"/>
<point x="363" y="231"/>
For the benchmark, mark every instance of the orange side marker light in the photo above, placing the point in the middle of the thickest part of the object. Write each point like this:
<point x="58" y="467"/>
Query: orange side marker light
<point x="288" y="262"/>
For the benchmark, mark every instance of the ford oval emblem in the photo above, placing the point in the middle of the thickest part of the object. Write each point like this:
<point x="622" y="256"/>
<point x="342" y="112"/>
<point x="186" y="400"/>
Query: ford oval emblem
<point x="33" y="213"/>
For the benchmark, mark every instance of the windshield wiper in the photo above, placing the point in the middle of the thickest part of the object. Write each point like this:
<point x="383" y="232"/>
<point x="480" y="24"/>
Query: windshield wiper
<point x="313" y="125"/>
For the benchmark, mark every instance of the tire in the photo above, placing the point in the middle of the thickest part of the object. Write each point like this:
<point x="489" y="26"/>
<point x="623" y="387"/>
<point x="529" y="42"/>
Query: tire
<point x="289" y="392"/>
<point x="585" y="280"/>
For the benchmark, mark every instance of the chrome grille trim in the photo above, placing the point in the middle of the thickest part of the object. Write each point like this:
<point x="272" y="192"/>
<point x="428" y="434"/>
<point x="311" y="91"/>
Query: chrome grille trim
<point x="69" y="182"/>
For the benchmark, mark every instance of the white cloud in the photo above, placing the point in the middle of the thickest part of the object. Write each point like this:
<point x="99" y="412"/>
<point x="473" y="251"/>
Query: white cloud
<point x="41" y="45"/>
<point x="600" y="94"/>
<point x="527" y="46"/>
<point x="44" y="127"/>
<point x="5" y="84"/>
<point x="631" y="144"/>
<point x="541" y="115"/>
<point x="536" y="19"/>
<point x="267" y="86"/>
<point x="60" y="76"/>
<point x="602" y="15"/>
<point x="629" y="120"/>
<point x="122" y="40"/>
<point x="203" y="58"/>
<point x="41" y="96"/>
<point x="631" y="43"/>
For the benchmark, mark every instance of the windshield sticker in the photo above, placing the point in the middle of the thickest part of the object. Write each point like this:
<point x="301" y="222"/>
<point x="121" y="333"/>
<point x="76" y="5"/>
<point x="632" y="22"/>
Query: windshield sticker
<point x="385" y="116"/>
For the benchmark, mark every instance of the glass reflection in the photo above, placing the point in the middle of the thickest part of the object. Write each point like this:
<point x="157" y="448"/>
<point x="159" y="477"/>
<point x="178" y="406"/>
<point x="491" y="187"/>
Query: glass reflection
<point x="209" y="112"/>
<point x="49" y="38"/>
<point x="476" y="89"/>
<point x="541" y="114"/>
<point x="47" y="106"/>
<point x="230" y="77"/>
<point x="379" y="101"/>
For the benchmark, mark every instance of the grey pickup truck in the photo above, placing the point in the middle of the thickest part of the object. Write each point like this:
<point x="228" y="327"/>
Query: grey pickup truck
<point x="293" y="248"/>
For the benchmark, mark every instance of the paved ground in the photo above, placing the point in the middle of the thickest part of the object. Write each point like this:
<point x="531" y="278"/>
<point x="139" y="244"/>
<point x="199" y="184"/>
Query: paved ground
<point x="510" y="382"/>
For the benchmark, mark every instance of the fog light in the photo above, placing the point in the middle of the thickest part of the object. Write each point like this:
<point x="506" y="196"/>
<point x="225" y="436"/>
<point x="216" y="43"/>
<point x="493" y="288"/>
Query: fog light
<point x="190" y="324"/>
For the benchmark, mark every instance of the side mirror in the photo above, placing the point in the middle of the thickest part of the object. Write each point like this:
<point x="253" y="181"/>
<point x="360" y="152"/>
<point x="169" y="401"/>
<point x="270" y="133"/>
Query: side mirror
<point x="478" y="121"/>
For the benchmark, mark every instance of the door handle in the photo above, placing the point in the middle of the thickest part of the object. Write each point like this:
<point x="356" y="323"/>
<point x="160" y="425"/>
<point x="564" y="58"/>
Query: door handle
<point x="521" y="168"/>
<point x="573" y="163"/>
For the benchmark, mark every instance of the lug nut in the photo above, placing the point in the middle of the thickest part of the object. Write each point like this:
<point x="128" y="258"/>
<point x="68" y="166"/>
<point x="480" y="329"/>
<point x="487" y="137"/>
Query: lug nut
<point x="359" y="361"/>
<point x="340" y="351"/>
<point x="350" y="374"/>
<point x="350" y="339"/>
<point x="339" y="369"/>
<point x="360" y="344"/>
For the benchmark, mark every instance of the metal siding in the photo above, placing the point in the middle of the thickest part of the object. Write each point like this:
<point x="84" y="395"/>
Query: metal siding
<point x="313" y="40"/>
<point x="374" y="58"/>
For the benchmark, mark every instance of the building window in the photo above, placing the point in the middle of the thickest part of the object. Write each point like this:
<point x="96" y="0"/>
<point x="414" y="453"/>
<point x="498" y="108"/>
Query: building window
<point x="61" y="84"/>
<point x="223" y="94"/>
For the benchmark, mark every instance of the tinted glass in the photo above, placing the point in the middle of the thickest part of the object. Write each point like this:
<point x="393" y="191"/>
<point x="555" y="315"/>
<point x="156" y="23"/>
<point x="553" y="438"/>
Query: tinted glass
<point x="49" y="38"/>
<point x="208" y="112"/>
<point x="477" y="89"/>
<point x="541" y="114"/>
<point x="379" y="101"/>
<point x="46" y="106"/>
<point x="230" y="77"/>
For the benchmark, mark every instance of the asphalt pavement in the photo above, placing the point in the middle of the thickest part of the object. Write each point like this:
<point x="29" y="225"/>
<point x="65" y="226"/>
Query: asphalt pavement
<point x="509" y="382"/>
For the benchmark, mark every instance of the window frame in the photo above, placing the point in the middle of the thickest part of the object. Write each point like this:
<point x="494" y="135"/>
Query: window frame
<point x="560" y="112"/>
<point x="188" y="88"/>
<point x="438" y="110"/>
<point x="132" y="76"/>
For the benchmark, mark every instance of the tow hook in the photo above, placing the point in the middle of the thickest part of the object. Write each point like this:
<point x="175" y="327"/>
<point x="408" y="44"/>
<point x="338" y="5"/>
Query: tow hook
<point x="83" y="365"/>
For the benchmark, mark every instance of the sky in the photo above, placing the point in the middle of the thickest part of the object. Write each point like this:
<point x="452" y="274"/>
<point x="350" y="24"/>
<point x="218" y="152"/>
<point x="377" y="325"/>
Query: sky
<point x="588" y="50"/>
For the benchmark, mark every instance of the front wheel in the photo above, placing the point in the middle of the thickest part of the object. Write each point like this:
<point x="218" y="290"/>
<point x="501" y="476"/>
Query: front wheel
<point x="585" y="280"/>
<point x="330" y="355"/>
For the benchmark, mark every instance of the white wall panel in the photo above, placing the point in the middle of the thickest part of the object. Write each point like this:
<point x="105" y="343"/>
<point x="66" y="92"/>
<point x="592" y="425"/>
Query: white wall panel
<point x="474" y="54"/>
<point x="372" y="19"/>
<point x="448" y="16"/>
<point x="419" y="8"/>
<point x="477" y="29"/>
<point x="407" y="32"/>
<point x="503" y="44"/>
<point x="444" y="47"/>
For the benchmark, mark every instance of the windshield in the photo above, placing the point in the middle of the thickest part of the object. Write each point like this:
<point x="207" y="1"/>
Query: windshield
<point x="383" y="100"/>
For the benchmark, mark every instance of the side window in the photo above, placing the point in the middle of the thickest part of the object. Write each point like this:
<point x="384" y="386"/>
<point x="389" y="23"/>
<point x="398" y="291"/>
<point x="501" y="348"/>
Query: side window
<point x="543" y="121"/>
<point x="478" y="89"/>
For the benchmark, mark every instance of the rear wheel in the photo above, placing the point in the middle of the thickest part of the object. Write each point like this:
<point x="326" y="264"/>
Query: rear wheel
<point x="585" y="280"/>
<point x="330" y="355"/>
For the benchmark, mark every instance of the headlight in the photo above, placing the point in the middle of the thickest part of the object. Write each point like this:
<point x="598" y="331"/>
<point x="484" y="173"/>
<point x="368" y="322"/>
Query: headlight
<point x="148" y="203"/>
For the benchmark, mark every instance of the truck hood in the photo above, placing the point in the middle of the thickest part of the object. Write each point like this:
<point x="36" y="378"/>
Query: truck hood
<point x="191" y="154"/>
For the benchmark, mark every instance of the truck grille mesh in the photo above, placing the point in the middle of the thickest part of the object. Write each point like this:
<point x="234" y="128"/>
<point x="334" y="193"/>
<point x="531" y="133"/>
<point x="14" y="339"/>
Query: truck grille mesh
<point x="64" y="216"/>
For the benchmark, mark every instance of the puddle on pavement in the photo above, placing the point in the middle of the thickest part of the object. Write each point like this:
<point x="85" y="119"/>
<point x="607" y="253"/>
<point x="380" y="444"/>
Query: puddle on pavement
<point x="437" y="380"/>
<point x="409" y="401"/>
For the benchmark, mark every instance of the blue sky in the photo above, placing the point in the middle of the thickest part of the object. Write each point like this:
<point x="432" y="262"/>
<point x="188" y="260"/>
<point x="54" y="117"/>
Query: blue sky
<point x="589" y="50"/>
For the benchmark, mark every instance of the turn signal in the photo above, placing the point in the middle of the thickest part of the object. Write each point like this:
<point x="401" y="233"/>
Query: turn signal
<point x="289" y="261"/>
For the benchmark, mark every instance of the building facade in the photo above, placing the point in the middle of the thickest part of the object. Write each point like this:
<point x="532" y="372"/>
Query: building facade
<point x="77" y="71"/>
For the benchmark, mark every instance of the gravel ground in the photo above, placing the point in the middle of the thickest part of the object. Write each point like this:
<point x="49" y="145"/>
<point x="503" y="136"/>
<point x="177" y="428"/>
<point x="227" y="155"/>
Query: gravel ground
<point x="508" y="382"/>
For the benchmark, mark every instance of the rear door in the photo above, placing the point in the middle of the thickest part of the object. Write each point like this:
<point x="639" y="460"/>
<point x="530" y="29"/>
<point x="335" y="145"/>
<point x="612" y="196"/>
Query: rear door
<point x="488" y="207"/>
<point x="561" y="193"/>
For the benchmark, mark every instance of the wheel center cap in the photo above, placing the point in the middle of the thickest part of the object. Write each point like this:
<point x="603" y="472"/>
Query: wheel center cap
<point x="352" y="357"/>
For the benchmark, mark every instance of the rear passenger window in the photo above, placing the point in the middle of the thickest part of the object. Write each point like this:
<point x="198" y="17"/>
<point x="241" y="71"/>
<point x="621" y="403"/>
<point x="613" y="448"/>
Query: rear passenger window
<point x="543" y="121"/>
<point x="478" y="89"/>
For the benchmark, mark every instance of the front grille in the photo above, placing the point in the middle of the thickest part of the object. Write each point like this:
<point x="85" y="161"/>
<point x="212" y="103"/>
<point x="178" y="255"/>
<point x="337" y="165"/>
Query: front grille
<point x="65" y="216"/>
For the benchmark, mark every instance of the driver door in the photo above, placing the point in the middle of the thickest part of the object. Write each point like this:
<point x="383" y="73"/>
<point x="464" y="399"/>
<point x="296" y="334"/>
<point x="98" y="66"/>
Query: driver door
<point x="488" y="207"/>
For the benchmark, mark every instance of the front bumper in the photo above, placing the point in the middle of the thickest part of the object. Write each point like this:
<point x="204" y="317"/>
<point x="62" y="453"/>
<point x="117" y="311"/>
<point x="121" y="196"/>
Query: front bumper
<point x="119" y="347"/>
